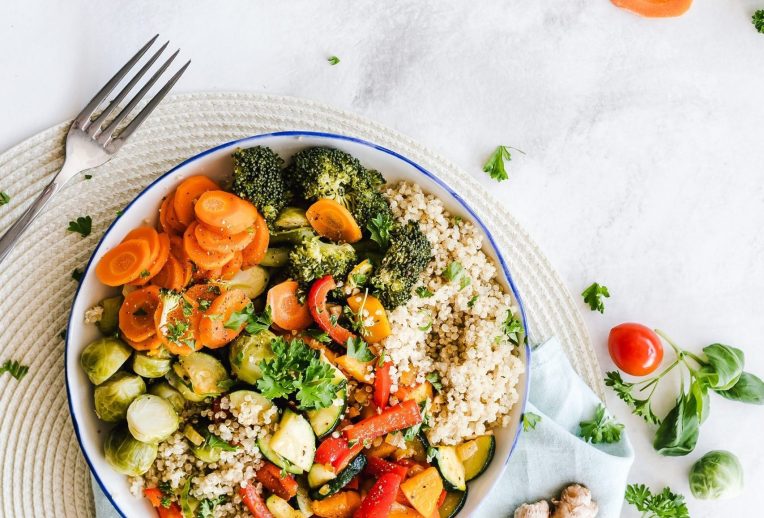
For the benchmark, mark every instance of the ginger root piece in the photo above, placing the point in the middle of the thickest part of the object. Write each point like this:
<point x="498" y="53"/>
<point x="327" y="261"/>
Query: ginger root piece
<point x="575" y="502"/>
<point x="538" y="510"/>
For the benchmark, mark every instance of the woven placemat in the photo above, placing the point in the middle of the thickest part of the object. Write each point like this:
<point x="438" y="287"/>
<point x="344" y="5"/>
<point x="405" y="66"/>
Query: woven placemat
<point x="43" y="471"/>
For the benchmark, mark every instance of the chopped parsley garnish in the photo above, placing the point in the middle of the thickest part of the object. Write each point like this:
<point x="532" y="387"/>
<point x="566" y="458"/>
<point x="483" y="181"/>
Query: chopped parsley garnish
<point x="601" y="428"/>
<point x="358" y="349"/>
<point x="175" y="330"/>
<point x="495" y="166"/>
<point x="434" y="379"/>
<point x="213" y="441"/>
<point x="207" y="506"/>
<point x="512" y="327"/>
<point x="379" y="227"/>
<point x="472" y="301"/>
<point x="62" y="334"/>
<point x="758" y="20"/>
<point x="204" y="304"/>
<point x="247" y="318"/>
<point x="88" y="176"/>
<point x="318" y="335"/>
<point x="452" y="271"/>
<point x="166" y="490"/>
<point x="145" y="273"/>
<point x="14" y="368"/>
<point x="530" y="420"/>
<point x="119" y="212"/>
<point x="424" y="292"/>
<point x="83" y="226"/>
<point x="188" y="308"/>
<point x="4" y="198"/>
<point x="296" y="369"/>
<point x="464" y="282"/>
<point x="77" y="274"/>
<point x="333" y="60"/>
<point x="593" y="296"/>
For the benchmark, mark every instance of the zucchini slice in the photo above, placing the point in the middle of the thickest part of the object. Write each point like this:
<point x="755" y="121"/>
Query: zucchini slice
<point x="451" y="468"/>
<point x="342" y="479"/>
<point x="319" y="475"/>
<point x="278" y="460"/>
<point x="479" y="458"/>
<point x="295" y="440"/>
<point x="280" y="508"/>
<point x="452" y="504"/>
<point x="325" y="420"/>
<point x="239" y="398"/>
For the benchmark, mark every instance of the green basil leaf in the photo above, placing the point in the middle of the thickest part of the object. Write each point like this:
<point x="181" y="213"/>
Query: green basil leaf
<point x="726" y="365"/>
<point x="748" y="389"/>
<point x="678" y="433"/>
<point x="700" y="392"/>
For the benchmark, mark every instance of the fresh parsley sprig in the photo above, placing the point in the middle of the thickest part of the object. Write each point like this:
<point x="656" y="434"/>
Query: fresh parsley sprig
<point x="333" y="60"/>
<point x="4" y="198"/>
<point x="602" y="428"/>
<point x="593" y="296"/>
<point x="758" y="20"/>
<point x="358" y="349"/>
<point x="14" y="368"/>
<point x="512" y="328"/>
<point x="665" y="504"/>
<point x="82" y="225"/>
<point x="530" y="420"/>
<point x="495" y="166"/>
<point x="379" y="227"/>
<point x="251" y="321"/>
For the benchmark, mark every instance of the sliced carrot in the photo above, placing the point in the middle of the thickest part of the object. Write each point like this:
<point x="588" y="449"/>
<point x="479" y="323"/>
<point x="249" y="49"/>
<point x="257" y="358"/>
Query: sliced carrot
<point x="201" y="257"/>
<point x="136" y="315"/>
<point x="124" y="262"/>
<point x="286" y="310"/>
<point x="232" y="267"/>
<point x="216" y="241"/>
<point x="213" y="332"/>
<point x="171" y="276"/>
<point x="655" y="8"/>
<point x="187" y="194"/>
<point x="225" y="212"/>
<point x="203" y="294"/>
<point x="333" y="221"/>
<point x="163" y="224"/>
<point x="150" y="235"/>
<point x="178" y="251"/>
<point x="255" y="252"/>
<point x="149" y="344"/>
<point x="201" y="275"/>
<point x="156" y="266"/>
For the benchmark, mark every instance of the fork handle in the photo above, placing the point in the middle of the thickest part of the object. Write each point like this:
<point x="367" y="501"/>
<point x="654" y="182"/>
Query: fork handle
<point x="12" y="235"/>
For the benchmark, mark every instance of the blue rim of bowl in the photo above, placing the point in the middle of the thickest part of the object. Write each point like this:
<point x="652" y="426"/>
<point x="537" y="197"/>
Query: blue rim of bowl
<point x="334" y="136"/>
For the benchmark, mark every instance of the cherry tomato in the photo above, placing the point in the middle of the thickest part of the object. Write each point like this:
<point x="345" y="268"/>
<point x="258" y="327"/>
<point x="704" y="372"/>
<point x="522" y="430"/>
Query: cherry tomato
<point x="635" y="348"/>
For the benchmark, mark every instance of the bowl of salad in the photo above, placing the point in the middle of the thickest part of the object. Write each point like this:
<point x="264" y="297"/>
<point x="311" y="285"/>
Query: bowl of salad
<point x="297" y="324"/>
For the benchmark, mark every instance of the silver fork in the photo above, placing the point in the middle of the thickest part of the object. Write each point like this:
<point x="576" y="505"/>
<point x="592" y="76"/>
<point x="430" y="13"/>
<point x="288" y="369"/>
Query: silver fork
<point x="91" y="141"/>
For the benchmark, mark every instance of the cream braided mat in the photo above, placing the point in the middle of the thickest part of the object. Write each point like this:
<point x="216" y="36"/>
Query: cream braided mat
<point x="43" y="471"/>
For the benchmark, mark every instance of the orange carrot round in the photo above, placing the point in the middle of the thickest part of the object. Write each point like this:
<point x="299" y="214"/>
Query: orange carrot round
<point x="136" y="315"/>
<point x="188" y="193"/>
<point x="215" y="241"/>
<point x="333" y="221"/>
<point x="286" y="310"/>
<point x="201" y="257"/>
<point x="255" y="251"/>
<point x="149" y="344"/>
<point x="171" y="276"/>
<point x="124" y="262"/>
<point x="160" y="260"/>
<point x="232" y="267"/>
<point x="149" y="234"/>
<point x="655" y="8"/>
<point x="225" y="212"/>
<point x="213" y="332"/>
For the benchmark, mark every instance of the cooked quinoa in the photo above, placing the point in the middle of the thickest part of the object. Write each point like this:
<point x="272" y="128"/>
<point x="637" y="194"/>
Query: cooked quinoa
<point x="451" y="332"/>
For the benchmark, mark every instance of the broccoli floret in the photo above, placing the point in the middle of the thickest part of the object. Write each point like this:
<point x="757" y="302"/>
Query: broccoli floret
<point x="312" y="258"/>
<point x="258" y="177"/>
<point x="404" y="261"/>
<point x="331" y="173"/>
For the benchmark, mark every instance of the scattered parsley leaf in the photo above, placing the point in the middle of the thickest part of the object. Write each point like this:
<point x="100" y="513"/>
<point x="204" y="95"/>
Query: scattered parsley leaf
<point x="379" y="227"/>
<point x="77" y="274"/>
<point x="319" y="335"/>
<point x="457" y="220"/>
<point x="14" y="368"/>
<point x="452" y="271"/>
<point x="758" y="20"/>
<point x="464" y="282"/>
<point x="62" y="334"/>
<point x="601" y="428"/>
<point x="382" y="358"/>
<point x="665" y="504"/>
<point x="623" y="390"/>
<point x="593" y="296"/>
<point x="207" y="506"/>
<point x="530" y="420"/>
<point x="174" y="331"/>
<point x="495" y="165"/>
<point x="120" y="212"/>
<point x="213" y="441"/>
<point x="145" y="273"/>
<point x="424" y="292"/>
<point x="358" y="349"/>
<point x="167" y="494"/>
<point x="4" y="198"/>
<point x="204" y="304"/>
<point x="333" y="60"/>
<point x="409" y="434"/>
<point x="247" y="318"/>
<point x="83" y="226"/>
<point x="357" y="323"/>
<point x="88" y="176"/>
<point x="512" y="327"/>
<point x="472" y="301"/>
<point x="434" y="379"/>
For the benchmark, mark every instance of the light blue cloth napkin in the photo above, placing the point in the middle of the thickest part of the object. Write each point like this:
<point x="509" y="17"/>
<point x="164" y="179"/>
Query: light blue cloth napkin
<point x="552" y="455"/>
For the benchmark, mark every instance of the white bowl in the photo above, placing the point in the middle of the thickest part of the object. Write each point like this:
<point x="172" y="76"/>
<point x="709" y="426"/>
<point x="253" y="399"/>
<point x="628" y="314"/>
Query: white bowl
<point x="216" y="163"/>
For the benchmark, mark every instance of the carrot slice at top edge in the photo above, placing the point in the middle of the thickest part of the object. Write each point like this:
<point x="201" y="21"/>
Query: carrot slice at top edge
<point x="655" y="8"/>
<point x="225" y="212"/>
<point x="124" y="262"/>
<point x="232" y="267"/>
<point x="156" y="266"/>
<point x="150" y="235"/>
<point x="333" y="221"/>
<point x="215" y="241"/>
<point x="187" y="194"/>
<point x="201" y="257"/>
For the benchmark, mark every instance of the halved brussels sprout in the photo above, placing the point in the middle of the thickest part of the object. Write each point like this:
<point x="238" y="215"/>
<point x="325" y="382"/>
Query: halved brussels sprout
<point x="126" y="454"/>
<point x="150" y="366"/>
<point x="103" y="357"/>
<point x="110" y="317"/>
<point x="251" y="281"/>
<point x="178" y="384"/>
<point x="114" y="396"/>
<point x="151" y="418"/>
<point x="164" y="390"/>
<point x="291" y="217"/>
<point x="204" y="374"/>
<point x="247" y="352"/>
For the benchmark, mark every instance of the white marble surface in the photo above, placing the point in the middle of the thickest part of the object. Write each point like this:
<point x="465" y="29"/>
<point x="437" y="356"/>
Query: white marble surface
<point x="643" y="138"/>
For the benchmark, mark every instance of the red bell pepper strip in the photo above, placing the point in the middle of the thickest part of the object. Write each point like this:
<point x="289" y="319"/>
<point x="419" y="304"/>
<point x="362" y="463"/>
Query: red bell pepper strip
<point x="317" y="305"/>
<point x="382" y="384"/>
<point x="337" y="452"/>
<point x="272" y="479"/>
<point x="254" y="502"/>
<point x="379" y="501"/>
<point x="377" y="467"/>
<point x="154" y="495"/>
<point x="170" y="512"/>
<point x="399" y="417"/>
<point x="442" y="498"/>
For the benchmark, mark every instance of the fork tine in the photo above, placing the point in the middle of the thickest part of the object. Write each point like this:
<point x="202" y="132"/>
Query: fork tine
<point x="83" y="119"/>
<point x="95" y="126"/>
<point x="146" y="111"/>
<point x="108" y="132"/>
